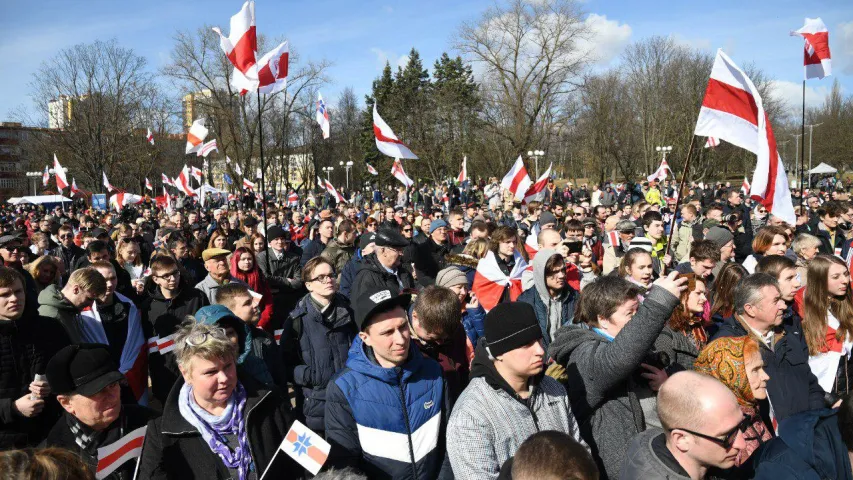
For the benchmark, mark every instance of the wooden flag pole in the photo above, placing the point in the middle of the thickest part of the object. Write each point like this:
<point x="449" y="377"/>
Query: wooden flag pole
<point x="803" y="151"/>
<point x="679" y="193"/>
<point x="263" y="191"/>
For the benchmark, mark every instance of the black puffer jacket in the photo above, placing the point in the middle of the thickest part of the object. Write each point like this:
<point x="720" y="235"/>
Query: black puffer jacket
<point x="285" y="278"/>
<point x="315" y="347"/>
<point x="174" y="449"/>
<point x="131" y="418"/>
<point x="161" y="318"/>
<point x="372" y="275"/>
<point x="26" y="345"/>
<point x="429" y="260"/>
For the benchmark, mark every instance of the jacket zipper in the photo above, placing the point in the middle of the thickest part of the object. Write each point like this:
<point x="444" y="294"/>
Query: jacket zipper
<point x="529" y="405"/>
<point x="248" y="438"/>
<point x="408" y="427"/>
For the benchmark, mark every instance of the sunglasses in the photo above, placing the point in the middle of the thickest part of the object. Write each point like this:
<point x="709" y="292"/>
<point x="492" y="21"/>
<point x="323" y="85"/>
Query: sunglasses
<point x="407" y="230"/>
<point x="728" y="437"/>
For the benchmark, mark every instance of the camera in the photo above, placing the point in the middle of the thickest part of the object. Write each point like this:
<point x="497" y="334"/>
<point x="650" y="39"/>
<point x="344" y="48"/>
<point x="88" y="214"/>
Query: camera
<point x="659" y="360"/>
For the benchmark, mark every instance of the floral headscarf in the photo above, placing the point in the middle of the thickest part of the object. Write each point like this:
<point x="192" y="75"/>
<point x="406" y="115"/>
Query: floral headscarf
<point x="724" y="359"/>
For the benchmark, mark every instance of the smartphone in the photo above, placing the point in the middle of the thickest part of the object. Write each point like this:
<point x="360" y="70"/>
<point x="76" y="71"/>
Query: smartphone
<point x="574" y="247"/>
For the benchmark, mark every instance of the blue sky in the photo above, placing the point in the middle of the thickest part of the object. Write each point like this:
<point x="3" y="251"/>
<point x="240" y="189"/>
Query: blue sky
<point x="358" y="36"/>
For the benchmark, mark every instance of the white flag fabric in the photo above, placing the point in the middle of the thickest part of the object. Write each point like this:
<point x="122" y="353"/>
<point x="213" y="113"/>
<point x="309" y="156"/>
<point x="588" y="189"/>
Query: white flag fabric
<point x="238" y="169"/>
<point x="322" y="116"/>
<point x="272" y="73"/>
<point x="386" y="141"/>
<point x="463" y="175"/>
<point x="537" y="190"/>
<point x="660" y="173"/>
<point x="148" y="184"/>
<point x="400" y="174"/>
<point x="712" y="142"/>
<point x="182" y="183"/>
<point x="732" y="110"/>
<point x="306" y="447"/>
<point x="196" y="136"/>
<point x="150" y="137"/>
<point x="372" y="170"/>
<point x="107" y="183"/>
<point x="74" y="189"/>
<point x="331" y="189"/>
<point x="241" y="47"/>
<point x="517" y="180"/>
<point x="116" y="454"/>
<point x="45" y="176"/>
<point x="817" y="60"/>
<point x="248" y="184"/>
<point x="59" y="172"/>
<point x="258" y="174"/>
<point x="206" y="148"/>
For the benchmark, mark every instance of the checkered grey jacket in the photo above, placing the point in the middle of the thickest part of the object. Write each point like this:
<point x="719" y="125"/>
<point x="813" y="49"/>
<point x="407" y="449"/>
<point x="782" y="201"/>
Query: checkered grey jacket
<point x="488" y="425"/>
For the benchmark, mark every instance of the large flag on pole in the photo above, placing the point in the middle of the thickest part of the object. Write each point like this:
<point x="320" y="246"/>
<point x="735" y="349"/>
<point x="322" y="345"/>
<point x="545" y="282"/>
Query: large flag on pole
<point x="537" y="190"/>
<point x="196" y="174"/>
<point x="61" y="179"/>
<point x="148" y="184"/>
<point x="463" y="175"/>
<point x="490" y="281"/>
<point x="183" y="182"/>
<point x="816" y="59"/>
<point x="400" y="174"/>
<point x="109" y="186"/>
<point x="196" y="136"/>
<point x="386" y="141"/>
<point x="241" y="47"/>
<point x="45" y="176"/>
<point x="120" y="199"/>
<point x="272" y="73"/>
<point x="206" y="148"/>
<point x="248" y="184"/>
<point x="322" y="116"/>
<point x="732" y="110"/>
<point x="331" y="189"/>
<point x="74" y="189"/>
<point x="660" y="173"/>
<point x="745" y="186"/>
<point x="372" y="170"/>
<point x="150" y="137"/>
<point x="166" y="180"/>
<point x="517" y="180"/>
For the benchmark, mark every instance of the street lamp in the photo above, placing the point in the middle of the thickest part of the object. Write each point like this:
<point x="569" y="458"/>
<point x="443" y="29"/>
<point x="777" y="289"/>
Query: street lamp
<point x="536" y="154"/>
<point x="663" y="151"/>
<point x="33" y="176"/>
<point x="328" y="171"/>
<point x="348" y="165"/>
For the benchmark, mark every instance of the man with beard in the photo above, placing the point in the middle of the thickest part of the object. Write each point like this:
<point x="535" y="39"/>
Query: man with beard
<point x="87" y="383"/>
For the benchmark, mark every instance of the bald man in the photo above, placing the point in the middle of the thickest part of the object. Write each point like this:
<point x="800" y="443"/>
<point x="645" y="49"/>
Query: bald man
<point x="702" y="429"/>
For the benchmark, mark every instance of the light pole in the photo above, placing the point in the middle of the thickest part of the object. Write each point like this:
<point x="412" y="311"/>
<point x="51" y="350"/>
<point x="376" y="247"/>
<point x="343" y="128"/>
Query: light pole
<point x="811" y="135"/>
<point x="328" y="171"/>
<point x="536" y="154"/>
<point x="347" y="165"/>
<point x="32" y="176"/>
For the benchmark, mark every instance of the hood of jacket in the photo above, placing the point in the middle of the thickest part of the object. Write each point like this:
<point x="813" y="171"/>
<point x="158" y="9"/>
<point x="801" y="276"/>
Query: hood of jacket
<point x="568" y="339"/>
<point x="52" y="296"/>
<point x="361" y="360"/>
<point x="334" y="244"/>
<point x="539" y="262"/>
<point x="484" y="367"/>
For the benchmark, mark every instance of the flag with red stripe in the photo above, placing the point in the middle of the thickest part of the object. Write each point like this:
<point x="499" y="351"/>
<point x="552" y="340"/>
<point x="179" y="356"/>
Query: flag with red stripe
<point x="712" y="142"/>
<point x="660" y="173"/>
<point x="463" y="175"/>
<point x="248" y="184"/>
<point x="116" y="454"/>
<point x="196" y="136"/>
<point x="150" y="137"/>
<point x="372" y="170"/>
<point x="74" y="189"/>
<point x="490" y="282"/>
<point x="59" y="172"/>
<point x="386" y="141"/>
<point x="537" y="190"/>
<point x="331" y="189"/>
<point x="732" y="110"/>
<point x="817" y="60"/>
<point x="400" y="174"/>
<point x="272" y="73"/>
<point x="517" y="180"/>
<point x="241" y="47"/>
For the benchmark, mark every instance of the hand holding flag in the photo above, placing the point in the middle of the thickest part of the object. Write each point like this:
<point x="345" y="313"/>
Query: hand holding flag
<point x="304" y="446"/>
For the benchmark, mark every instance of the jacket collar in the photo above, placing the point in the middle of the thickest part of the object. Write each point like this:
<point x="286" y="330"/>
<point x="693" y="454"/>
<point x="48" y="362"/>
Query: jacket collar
<point x="483" y="366"/>
<point x="360" y="359"/>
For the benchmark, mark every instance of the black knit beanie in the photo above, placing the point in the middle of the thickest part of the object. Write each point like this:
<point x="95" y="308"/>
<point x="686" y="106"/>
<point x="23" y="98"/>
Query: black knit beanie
<point x="510" y="326"/>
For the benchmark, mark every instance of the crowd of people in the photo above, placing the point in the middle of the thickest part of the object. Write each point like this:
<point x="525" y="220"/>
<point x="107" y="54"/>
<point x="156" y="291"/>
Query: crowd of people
<point x="607" y="331"/>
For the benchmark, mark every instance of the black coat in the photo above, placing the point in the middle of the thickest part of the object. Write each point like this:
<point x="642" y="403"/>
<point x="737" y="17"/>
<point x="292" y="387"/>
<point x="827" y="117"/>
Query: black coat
<point x="174" y="449"/>
<point x="315" y="348"/>
<point x="161" y="317"/>
<point x="131" y="418"/>
<point x="372" y="275"/>
<point x="429" y="260"/>
<point x="69" y="256"/>
<point x="285" y="279"/>
<point x="792" y="387"/>
<point x="26" y="345"/>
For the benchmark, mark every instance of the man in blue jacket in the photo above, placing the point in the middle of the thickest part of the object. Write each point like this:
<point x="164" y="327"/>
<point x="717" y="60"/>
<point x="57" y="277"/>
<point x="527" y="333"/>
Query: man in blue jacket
<point x="386" y="412"/>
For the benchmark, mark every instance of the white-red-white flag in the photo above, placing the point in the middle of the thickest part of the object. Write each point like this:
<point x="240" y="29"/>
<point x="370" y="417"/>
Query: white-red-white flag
<point x="241" y="47"/>
<point x="116" y="454"/>
<point x="109" y="186"/>
<point x="386" y="141"/>
<point x="400" y="174"/>
<point x="660" y="173"/>
<point x="182" y="183"/>
<point x="293" y="199"/>
<point x="745" y="186"/>
<point x="531" y="243"/>
<point x="371" y="169"/>
<point x="517" y="180"/>
<point x="74" y="189"/>
<point x="121" y="199"/>
<point x="463" y="175"/>
<point x="196" y="173"/>
<point x="166" y="180"/>
<point x="196" y="136"/>
<point x="150" y="137"/>
<point x="206" y="148"/>
<point x="712" y="142"/>
<point x="331" y="189"/>
<point x="732" y="110"/>
<point x="148" y="184"/>
<point x="238" y="169"/>
<point x="59" y="172"/>
<point x="272" y="73"/>
<point x="248" y="184"/>
<point x="45" y="176"/>
<point x="537" y="190"/>
<point x="490" y="282"/>
<point x="322" y="116"/>
<point x="817" y="60"/>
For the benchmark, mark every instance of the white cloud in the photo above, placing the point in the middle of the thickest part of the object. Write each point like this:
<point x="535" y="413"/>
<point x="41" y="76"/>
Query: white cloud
<point x="792" y="94"/>
<point x="842" y="50"/>
<point x="383" y="57"/>
<point x="697" y="43"/>
<point x="608" y="38"/>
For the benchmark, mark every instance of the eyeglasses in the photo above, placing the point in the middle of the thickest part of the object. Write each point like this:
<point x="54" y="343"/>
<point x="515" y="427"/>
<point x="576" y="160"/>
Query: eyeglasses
<point x="407" y="230"/>
<point x="66" y="236"/>
<point x="323" y="278"/>
<point x="729" y="437"/>
<point x="200" y="338"/>
<point x="167" y="276"/>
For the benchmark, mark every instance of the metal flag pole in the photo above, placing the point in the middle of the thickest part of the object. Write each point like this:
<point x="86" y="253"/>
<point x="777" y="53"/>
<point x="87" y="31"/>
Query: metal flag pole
<point x="679" y="193"/>
<point x="802" y="150"/>
<point x="263" y="191"/>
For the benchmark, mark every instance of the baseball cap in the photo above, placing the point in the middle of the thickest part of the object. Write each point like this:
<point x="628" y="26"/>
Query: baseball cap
<point x="376" y="299"/>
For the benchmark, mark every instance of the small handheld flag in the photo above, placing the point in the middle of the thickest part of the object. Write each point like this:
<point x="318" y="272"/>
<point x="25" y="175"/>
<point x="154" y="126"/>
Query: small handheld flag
<point x="306" y="447"/>
<point x="372" y="170"/>
<point x="116" y="454"/>
<point x="148" y="184"/>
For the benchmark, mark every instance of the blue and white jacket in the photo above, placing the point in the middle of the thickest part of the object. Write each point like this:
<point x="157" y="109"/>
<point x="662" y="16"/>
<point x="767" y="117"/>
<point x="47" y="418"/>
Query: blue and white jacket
<point x="388" y="422"/>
